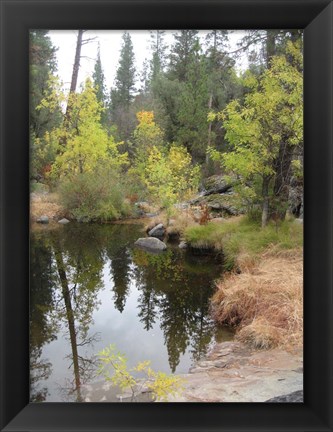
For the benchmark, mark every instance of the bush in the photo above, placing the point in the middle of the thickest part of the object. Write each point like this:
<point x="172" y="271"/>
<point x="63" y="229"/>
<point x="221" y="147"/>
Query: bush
<point x="94" y="197"/>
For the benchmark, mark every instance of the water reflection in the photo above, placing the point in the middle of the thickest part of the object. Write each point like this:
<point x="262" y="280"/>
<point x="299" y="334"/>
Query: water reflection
<point x="163" y="298"/>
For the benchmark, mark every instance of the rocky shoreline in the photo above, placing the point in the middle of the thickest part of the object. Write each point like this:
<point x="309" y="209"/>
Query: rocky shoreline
<point x="232" y="372"/>
<point x="235" y="373"/>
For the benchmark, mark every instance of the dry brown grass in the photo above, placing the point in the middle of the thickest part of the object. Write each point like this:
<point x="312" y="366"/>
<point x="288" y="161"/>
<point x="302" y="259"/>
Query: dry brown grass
<point x="177" y="224"/>
<point x="264" y="301"/>
<point x="45" y="205"/>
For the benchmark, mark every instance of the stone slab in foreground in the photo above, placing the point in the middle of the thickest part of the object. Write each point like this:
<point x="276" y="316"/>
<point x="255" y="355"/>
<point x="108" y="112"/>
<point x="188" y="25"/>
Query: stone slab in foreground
<point x="235" y="373"/>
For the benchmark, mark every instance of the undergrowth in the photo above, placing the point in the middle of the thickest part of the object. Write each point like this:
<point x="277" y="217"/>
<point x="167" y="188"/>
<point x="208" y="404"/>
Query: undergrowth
<point x="239" y="237"/>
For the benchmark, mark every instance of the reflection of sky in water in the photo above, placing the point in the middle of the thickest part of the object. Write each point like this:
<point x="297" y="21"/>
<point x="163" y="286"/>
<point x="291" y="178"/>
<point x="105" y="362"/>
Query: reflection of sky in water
<point x="125" y="329"/>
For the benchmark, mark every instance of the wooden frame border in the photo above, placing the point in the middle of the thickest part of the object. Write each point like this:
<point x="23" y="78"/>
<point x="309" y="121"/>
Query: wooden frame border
<point x="17" y="17"/>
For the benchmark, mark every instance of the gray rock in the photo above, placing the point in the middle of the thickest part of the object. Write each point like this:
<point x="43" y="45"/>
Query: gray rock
<point x="299" y="220"/>
<point x="142" y="204"/>
<point x="157" y="231"/>
<point x="150" y="214"/>
<point x="63" y="221"/>
<point x="151" y="244"/>
<point x="296" y="396"/>
<point x="182" y="206"/>
<point x="43" y="220"/>
<point x="215" y="206"/>
<point x="183" y="245"/>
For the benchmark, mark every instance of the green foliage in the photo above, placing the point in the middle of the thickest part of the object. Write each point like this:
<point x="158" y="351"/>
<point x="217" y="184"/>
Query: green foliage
<point x="158" y="48"/>
<point x="244" y="236"/>
<point x="87" y="144"/>
<point x="185" y="43"/>
<point x="125" y="76"/>
<point x="193" y="107"/>
<point x="147" y="133"/>
<point x="160" y="384"/>
<point x="42" y="64"/>
<point x="170" y="177"/>
<point x="269" y="120"/>
<point x="94" y="196"/>
<point x="99" y="85"/>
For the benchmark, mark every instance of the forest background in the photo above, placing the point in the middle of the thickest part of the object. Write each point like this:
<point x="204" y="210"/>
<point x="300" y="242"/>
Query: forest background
<point x="157" y="136"/>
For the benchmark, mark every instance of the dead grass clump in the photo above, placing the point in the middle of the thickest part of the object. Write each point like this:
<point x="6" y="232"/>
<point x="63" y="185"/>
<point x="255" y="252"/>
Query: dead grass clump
<point x="160" y="219"/>
<point x="45" y="205"/>
<point x="260" y="334"/>
<point x="177" y="224"/>
<point x="268" y="294"/>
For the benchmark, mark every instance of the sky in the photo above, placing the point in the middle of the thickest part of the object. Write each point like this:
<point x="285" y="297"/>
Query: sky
<point x="110" y="45"/>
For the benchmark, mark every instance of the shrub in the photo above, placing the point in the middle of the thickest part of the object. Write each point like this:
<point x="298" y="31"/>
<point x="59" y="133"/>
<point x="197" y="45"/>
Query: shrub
<point x="94" y="196"/>
<point x="159" y="384"/>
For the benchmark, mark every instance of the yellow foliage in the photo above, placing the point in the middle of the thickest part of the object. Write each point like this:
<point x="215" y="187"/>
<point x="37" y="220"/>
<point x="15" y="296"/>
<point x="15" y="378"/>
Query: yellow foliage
<point x="159" y="383"/>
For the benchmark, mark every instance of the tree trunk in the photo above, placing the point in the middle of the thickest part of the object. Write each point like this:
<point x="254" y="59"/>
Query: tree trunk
<point x="270" y="46"/>
<point x="70" y="320"/>
<point x="210" y="103"/>
<point x="75" y="73"/>
<point x="265" y="204"/>
<point x="282" y="168"/>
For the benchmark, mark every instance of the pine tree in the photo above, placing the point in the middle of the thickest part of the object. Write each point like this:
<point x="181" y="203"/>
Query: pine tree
<point x="125" y="76"/>
<point x="122" y="95"/>
<point x="158" y="48"/>
<point x="182" y="49"/>
<point x="99" y="86"/>
<point x="42" y="117"/>
<point x="193" y="106"/>
<point x="42" y="66"/>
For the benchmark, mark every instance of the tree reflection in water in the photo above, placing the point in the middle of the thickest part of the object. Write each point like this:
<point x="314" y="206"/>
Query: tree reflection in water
<point x="69" y="267"/>
<point x="181" y="295"/>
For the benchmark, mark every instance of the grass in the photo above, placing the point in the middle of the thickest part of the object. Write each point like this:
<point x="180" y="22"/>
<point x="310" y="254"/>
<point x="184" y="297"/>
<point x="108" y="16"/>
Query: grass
<point x="265" y="302"/>
<point x="241" y="239"/>
<point x="261" y="293"/>
<point x="46" y="205"/>
<point x="178" y="223"/>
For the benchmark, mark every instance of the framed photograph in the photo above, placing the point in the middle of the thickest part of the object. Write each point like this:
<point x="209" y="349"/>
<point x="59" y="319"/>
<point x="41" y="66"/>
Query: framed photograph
<point x="97" y="309"/>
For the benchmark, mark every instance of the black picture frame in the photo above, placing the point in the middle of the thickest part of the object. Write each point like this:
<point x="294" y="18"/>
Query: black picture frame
<point x="17" y="17"/>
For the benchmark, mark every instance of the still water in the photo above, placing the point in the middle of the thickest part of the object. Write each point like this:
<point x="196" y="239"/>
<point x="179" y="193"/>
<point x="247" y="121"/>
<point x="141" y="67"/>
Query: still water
<point x="90" y="287"/>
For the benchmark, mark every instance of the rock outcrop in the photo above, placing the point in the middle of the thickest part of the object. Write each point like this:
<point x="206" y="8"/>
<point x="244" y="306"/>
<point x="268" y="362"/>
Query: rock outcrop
<point x="235" y="373"/>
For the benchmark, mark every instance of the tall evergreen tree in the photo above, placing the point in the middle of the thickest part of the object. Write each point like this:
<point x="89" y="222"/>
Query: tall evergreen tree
<point x="185" y="42"/>
<point x="43" y="84"/>
<point x="42" y="66"/>
<point x="99" y="86"/>
<point x="158" y="48"/>
<point x="193" y="106"/>
<point x="123" y="93"/>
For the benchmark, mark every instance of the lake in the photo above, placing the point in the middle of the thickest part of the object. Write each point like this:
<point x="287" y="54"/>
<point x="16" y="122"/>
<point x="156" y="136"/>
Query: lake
<point x="91" y="287"/>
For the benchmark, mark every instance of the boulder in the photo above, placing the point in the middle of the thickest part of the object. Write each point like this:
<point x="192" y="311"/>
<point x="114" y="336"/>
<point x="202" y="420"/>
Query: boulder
<point x="63" y="221"/>
<point x="151" y="244"/>
<point x="296" y="396"/>
<point x="157" y="231"/>
<point x="183" y="245"/>
<point x="43" y="220"/>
